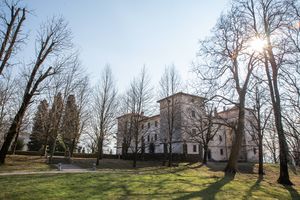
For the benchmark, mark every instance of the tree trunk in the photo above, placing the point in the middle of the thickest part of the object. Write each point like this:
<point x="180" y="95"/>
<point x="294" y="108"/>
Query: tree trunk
<point x="52" y="150"/>
<point x="100" y="150"/>
<point x="274" y="157"/>
<point x="45" y="145"/>
<point x="231" y="167"/>
<point x="7" y="142"/>
<point x="260" y="155"/>
<point x="204" y="161"/>
<point x="275" y="97"/>
<point x="14" y="145"/>
<point x="284" y="173"/>
<point x="12" y="131"/>
<point x="170" y="155"/>
<point x="200" y="152"/>
<point x="72" y="147"/>
<point x="135" y="154"/>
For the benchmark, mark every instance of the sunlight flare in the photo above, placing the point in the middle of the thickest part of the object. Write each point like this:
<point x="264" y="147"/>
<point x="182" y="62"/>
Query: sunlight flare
<point x="258" y="44"/>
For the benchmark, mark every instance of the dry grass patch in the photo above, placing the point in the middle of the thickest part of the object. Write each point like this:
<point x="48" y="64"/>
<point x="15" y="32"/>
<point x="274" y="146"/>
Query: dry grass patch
<point x="24" y="163"/>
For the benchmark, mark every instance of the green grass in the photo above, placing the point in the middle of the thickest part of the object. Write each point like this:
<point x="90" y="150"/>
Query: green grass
<point x="24" y="163"/>
<point x="151" y="182"/>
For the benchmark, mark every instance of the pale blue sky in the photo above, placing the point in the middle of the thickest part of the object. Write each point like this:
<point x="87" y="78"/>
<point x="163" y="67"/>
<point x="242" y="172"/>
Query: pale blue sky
<point x="130" y="33"/>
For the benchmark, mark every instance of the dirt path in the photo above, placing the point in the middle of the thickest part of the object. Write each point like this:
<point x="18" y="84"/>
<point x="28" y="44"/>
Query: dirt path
<point x="71" y="168"/>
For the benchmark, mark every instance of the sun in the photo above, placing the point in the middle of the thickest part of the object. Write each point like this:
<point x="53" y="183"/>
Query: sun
<point x="258" y="44"/>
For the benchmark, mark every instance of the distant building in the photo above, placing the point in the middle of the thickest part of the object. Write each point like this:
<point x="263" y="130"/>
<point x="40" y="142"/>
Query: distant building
<point x="179" y="108"/>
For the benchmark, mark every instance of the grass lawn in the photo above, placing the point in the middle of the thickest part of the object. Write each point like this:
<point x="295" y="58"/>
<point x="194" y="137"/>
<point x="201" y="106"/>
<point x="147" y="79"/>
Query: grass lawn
<point x="152" y="182"/>
<point x="24" y="163"/>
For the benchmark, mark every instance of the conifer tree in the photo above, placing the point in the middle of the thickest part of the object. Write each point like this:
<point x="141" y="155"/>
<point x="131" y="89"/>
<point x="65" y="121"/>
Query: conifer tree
<point x="55" y="115"/>
<point x="70" y="124"/>
<point x="40" y="127"/>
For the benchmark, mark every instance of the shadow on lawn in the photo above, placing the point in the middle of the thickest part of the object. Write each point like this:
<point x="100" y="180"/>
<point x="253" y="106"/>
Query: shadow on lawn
<point x="248" y="168"/>
<point x="255" y="186"/>
<point x="115" y="164"/>
<point x="211" y="191"/>
<point x="294" y="193"/>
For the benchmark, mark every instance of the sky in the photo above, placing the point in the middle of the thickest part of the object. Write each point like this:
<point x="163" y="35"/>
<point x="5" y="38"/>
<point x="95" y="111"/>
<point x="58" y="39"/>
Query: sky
<point x="128" y="34"/>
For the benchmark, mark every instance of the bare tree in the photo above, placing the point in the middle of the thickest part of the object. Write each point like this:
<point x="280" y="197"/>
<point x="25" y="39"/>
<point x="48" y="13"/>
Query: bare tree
<point x="7" y="103"/>
<point x="125" y="124"/>
<point x="53" y="38"/>
<point x="261" y="115"/>
<point x="271" y="142"/>
<point x="70" y="125"/>
<point x="104" y="109"/>
<point x="55" y="116"/>
<point x="293" y="139"/>
<point x="83" y="101"/>
<point x="71" y="81"/>
<point x="290" y="81"/>
<point x="268" y="20"/>
<point x="139" y="96"/>
<point x="12" y="17"/>
<point x="170" y="84"/>
<point x="228" y="66"/>
<point x="202" y="127"/>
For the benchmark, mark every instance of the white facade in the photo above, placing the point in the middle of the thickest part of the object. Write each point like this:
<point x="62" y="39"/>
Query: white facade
<point x="154" y="130"/>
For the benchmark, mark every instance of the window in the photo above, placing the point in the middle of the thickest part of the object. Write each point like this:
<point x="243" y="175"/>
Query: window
<point x="220" y="138"/>
<point x="148" y="124"/>
<point x="193" y="113"/>
<point x="148" y="138"/>
<point x="156" y="123"/>
<point x="194" y="148"/>
<point x="192" y="100"/>
<point x="254" y="150"/>
<point x="155" y="137"/>
<point x="194" y="131"/>
<point x="142" y="126"/>
<point x="221" y="152"/>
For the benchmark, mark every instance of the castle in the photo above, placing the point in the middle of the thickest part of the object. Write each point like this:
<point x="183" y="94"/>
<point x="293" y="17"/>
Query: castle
<point x="183" y="111"/>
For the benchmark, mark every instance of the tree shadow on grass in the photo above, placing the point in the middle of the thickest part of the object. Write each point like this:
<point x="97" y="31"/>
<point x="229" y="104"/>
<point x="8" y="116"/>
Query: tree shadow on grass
<point x="209" y="192"/>
<point x="242" y="167"/>
<point x="254" y="186"/>
<point x="294" y="193"/>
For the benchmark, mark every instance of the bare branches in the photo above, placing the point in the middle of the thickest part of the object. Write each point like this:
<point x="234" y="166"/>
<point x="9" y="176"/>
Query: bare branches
<point x="170" y="82"/>
<point x="104" y="109"/>
<point x="10" y="34"/>
<point x="202" y="125"/>
<point x="137" y="99"/>
<point x="53" y="38"/>
<point x="229" y="68"/>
